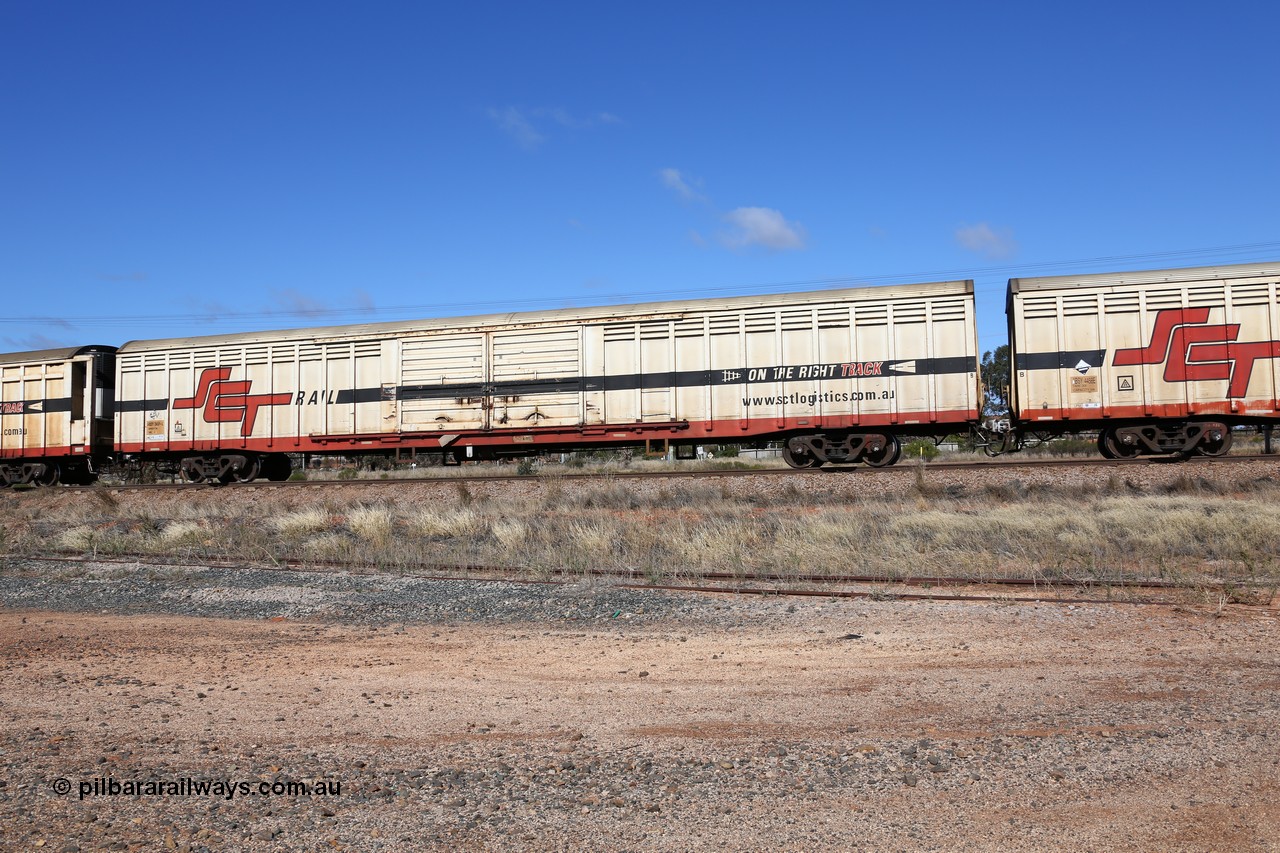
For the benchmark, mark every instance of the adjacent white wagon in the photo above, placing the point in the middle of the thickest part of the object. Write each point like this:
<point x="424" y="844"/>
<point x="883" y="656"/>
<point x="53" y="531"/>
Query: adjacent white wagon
<point x="1160" y="361"/>
<point x="55" y="414"/>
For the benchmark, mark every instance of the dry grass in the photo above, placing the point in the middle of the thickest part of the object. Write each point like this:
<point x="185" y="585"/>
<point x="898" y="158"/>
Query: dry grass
<point x="372" y="524"/>
<point x="180" y="533"/>
<point x="1192" y="530"/>
<point x="300" y="522"/>
<point x="76" y="539"/>
<point x="448" y="523"/>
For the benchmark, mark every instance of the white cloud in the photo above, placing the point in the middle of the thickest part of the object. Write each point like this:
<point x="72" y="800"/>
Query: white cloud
<point x="515" y="124"/>
<point x="522" y="124"/>
<point x="762" y="226"/>
<point x="211" y="309"/>
<point x="295" y="301"/>
<point x="987" y="241"/>
<point x="750" y="226"/>
<point x="34" y="341"/>
<point x="673" y="180"/>
<point x="563" y="117"/>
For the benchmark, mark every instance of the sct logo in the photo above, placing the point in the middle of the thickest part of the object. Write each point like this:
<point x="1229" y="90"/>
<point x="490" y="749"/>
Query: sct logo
<point x="1196" y="351"/>
<point x="224" y="400"/>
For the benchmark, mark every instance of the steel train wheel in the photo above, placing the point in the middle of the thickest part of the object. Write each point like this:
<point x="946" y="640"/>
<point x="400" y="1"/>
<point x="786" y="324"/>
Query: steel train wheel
<point x="49" y="476"/>
<point x="78" y="475"/>
<point x="799" y="458"/>
<point x="1215" y="448"/>
<point x="1115" y="449"/>
<point x="889" y="454"/>
<point x="249" y="473"/>
<point x="276" y="467"/>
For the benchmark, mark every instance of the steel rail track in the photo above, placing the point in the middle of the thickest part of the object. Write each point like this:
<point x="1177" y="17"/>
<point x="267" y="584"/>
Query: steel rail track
<point x="837" y="471"/>
<point x="736" y="584"/>
<point x="294" y="564"/>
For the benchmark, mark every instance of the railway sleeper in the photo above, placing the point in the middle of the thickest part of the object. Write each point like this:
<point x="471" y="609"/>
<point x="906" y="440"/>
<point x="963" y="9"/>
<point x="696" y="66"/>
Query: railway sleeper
<point x="812" y="451"/>
<point x="1205" y="438"/>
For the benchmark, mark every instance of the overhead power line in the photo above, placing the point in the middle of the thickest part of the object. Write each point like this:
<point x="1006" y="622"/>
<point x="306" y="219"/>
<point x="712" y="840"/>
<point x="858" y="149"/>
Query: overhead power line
<point x="1221" y="254"/>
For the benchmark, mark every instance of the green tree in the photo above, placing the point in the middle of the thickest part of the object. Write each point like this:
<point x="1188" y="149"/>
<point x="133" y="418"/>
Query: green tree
<point x="921" y="449"/>
<point x="995" y="382"/>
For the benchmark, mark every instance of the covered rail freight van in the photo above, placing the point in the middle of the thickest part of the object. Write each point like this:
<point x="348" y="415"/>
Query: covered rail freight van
<point x="838" y="374"/>
<point x="1160" y="361"/>
<point x="56" y="407"/>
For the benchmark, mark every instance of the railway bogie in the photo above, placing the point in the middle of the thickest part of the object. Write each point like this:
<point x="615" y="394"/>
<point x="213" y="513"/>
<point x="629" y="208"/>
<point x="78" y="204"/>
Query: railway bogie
<point x="235" y="467"/>
<point x="49" y="472"/>
<point x="1202" y="438"/>
<point x="813" y="451"/>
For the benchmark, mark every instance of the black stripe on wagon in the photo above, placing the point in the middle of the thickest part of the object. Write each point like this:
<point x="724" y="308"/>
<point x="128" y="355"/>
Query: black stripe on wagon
<point x="36" y="407"/>
<point x="937" y="366"/>
<point x="1059" y="360"/>
<point x="158" y="405"/>
<point x="851" y="371"/>
<point x="694" y="378"/>
<point x="359" y="395"/>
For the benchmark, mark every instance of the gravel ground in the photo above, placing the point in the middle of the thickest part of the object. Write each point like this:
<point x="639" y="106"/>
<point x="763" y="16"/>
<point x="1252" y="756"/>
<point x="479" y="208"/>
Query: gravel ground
<point x="536" y="717"/>
<point x="351" y="599"/>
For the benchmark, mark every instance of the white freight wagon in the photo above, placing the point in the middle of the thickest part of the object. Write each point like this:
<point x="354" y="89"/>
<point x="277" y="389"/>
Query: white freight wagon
<point x="839" y="373"/>
<point x="1159" y="361"/>
<point x="55" y="414"/>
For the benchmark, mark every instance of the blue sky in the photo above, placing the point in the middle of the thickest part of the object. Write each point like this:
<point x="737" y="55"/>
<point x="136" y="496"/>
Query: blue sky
<point x="194" y="168"/>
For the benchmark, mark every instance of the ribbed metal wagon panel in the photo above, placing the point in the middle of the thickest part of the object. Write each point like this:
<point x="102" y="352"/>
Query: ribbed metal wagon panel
<point x="693" y="370"/>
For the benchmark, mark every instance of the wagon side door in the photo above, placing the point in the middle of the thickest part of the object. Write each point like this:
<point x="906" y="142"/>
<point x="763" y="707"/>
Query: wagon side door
<point x="536" y="377"/>
<point x="443" y="382"/>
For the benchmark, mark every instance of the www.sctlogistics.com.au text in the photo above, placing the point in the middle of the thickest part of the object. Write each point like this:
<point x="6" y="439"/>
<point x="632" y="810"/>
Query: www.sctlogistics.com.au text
<point x="226" y="789"/>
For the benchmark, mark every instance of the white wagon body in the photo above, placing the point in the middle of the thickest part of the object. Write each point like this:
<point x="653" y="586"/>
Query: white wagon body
<point x="735" y="369"/>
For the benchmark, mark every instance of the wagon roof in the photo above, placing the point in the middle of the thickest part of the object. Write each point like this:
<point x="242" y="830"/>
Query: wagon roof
<point x="1117" y="279"/>
<point x="596" y="314"/>
<point x="45" y="356"/>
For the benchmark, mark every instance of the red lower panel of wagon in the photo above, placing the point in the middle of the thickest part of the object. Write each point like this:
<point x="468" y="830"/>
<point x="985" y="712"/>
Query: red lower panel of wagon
<point x="906" y="423"/>
<point x="43" y="452"/>
<point x="1082" y="417"/>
